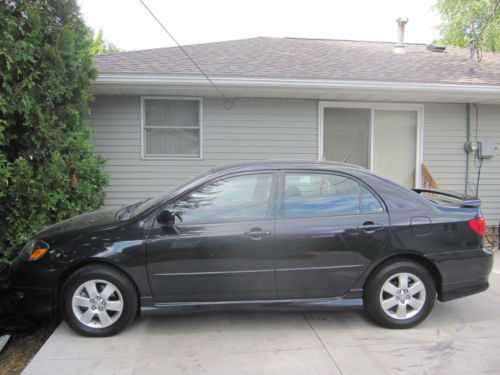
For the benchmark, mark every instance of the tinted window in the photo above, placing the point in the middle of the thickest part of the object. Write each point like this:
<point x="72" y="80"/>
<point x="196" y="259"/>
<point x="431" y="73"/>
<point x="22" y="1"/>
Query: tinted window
<point x="232" y="199"/>
<point x="317" y="194"/>
<point x="368" y="202"/>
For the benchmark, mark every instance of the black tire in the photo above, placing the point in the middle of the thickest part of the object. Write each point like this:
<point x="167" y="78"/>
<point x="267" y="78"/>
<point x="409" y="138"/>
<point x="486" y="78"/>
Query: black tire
<point x="127" y="294"/>
<point x="373" y="289"/>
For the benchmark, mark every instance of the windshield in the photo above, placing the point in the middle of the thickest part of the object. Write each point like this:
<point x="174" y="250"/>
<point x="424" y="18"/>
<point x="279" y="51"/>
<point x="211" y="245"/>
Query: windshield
<point x="137" y="208"/>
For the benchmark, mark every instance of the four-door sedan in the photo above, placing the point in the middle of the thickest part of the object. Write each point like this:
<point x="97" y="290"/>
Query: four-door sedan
<point x="270" y="234"/>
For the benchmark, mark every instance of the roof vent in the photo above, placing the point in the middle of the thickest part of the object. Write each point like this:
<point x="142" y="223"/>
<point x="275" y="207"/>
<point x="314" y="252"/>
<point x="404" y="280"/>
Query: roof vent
<point x="436" y="47"/>
<point x="399" y="48"/>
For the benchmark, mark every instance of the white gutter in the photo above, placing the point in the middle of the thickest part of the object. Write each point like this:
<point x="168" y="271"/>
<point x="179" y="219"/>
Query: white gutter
<point x="295" y="83"/>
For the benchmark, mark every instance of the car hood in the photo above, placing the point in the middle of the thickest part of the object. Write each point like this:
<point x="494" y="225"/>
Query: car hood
<point x="81" y="223"/>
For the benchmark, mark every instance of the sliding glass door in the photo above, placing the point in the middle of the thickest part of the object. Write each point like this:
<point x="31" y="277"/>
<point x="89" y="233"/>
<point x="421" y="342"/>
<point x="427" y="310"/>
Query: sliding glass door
<point x="346" y="135"/>
<point x="382" y="137"/>
<point x="395" y="145"/>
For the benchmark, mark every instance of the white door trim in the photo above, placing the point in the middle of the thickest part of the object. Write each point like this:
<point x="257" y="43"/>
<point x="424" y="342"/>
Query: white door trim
<point x="419" y="108"/>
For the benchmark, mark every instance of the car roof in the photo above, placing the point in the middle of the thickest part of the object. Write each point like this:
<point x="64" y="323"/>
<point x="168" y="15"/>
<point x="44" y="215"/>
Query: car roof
<point x="286" y="164"/>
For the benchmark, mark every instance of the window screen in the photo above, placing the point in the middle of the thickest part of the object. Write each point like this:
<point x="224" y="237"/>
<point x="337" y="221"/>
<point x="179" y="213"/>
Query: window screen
<point x="172" y="128"/>
<point x="346" y="134"/>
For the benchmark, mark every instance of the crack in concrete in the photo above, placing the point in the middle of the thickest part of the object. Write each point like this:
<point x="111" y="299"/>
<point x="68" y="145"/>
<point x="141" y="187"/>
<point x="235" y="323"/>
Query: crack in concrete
<point x="324" y="346"/>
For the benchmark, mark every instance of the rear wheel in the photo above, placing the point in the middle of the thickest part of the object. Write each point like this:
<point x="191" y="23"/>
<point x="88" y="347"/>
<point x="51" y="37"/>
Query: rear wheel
<point x="401" y="294"/>
<point x="98" y="300"/>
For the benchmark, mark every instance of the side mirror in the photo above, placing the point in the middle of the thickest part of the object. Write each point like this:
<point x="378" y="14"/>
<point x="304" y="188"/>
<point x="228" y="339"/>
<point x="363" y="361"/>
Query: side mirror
<point x="166" y="218"/>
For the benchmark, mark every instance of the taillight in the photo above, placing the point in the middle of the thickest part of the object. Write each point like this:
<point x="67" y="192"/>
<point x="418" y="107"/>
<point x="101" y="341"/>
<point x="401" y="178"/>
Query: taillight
<point x="479" y="226"/>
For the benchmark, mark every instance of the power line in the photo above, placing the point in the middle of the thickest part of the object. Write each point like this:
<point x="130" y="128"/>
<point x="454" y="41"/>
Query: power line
<point x="185" y="52"/>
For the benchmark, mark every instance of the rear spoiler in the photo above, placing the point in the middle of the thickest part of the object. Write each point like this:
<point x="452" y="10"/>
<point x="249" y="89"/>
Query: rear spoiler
<point x="466" y="200"/>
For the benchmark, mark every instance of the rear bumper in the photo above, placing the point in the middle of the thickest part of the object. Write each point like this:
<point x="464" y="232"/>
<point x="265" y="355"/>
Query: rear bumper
<point x="453" y="291"/>
<point x="463" y="272"/>
<point x="33" y="302"/>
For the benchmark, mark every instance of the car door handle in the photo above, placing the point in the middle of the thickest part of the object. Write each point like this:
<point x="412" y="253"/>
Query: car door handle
<point x="370" y="227"/>
<point x="257" y="234"/>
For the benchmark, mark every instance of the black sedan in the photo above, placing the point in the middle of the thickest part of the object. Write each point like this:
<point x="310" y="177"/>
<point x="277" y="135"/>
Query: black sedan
<point x="270" y="234"/>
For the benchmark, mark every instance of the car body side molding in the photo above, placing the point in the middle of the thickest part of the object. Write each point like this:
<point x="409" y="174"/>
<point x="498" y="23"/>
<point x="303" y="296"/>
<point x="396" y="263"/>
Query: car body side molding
<point x="286" y="304"/>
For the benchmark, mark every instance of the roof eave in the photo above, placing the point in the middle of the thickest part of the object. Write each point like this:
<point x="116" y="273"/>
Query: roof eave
<point x="460" y="92"/>
<point x="292" y="82"/>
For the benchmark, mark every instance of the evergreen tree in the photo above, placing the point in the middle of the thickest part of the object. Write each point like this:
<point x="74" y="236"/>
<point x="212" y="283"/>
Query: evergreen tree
<point x="48" y="171"/>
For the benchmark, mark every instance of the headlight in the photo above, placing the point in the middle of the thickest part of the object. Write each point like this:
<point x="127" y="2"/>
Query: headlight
<point x="34" y="250"/>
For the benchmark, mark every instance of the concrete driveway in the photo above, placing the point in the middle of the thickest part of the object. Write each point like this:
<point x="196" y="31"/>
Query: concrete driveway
<point x="460" y="337"/>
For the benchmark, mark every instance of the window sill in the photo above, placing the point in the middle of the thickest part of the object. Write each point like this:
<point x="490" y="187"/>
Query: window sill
<point x="170" y="158"/>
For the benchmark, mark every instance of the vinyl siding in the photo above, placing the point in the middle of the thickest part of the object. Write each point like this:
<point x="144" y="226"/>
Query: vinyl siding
<point x="444" y="155"/>
<point x="252" y="129"/>
<point x="276" y="129"/>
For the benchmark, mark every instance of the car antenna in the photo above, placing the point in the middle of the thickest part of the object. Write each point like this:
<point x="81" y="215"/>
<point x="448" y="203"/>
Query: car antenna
<point x="347" y="158"/>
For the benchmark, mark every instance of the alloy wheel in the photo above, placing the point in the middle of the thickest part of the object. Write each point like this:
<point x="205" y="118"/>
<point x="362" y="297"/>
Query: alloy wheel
<point x="97" y="303"/>
<point x="402" y="296"/>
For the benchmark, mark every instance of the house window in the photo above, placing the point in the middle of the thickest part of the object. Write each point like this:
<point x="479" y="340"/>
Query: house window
<point x="171" y="128"/>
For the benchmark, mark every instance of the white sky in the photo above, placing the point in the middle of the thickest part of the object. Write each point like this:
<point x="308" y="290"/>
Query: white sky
<point x="128" y="25"/>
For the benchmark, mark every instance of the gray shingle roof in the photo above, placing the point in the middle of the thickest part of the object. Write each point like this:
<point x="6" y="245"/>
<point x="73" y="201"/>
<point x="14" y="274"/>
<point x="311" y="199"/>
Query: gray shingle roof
<point x="307" y="59"/>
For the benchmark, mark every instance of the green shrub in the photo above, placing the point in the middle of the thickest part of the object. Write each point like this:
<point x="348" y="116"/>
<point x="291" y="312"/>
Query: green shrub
<point x="47" y="169"/>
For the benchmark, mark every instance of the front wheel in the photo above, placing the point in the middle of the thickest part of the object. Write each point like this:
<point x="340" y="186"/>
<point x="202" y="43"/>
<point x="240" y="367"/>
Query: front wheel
<point x="400" y="295"/>
<point x="98" y="300"/>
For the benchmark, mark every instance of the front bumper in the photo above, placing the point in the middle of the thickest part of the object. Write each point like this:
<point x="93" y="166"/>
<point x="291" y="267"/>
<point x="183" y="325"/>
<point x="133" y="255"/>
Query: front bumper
<point x="33" y="302"/>
<point x="31" y="291"/>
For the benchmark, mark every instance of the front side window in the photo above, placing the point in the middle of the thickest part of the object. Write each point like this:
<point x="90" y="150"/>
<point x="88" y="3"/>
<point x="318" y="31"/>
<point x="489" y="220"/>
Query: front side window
<point x="319" y="194"/>
<point x="171" y="128"/>
<point x="239" y="198"/>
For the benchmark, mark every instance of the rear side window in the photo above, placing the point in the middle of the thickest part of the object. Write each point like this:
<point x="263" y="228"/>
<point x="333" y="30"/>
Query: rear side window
<point x="321" y="194"/>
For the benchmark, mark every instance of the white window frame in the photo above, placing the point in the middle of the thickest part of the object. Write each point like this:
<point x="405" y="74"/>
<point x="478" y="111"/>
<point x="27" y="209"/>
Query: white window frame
<point x="143" y="127"/>
<point x="419" y="108"/>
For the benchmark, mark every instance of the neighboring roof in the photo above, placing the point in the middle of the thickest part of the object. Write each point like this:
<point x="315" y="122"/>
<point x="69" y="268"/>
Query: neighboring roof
<point x="317" y="59"/>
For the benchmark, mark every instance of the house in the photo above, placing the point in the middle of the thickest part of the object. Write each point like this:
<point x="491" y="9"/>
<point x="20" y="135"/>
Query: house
<point x="158" y="121"/>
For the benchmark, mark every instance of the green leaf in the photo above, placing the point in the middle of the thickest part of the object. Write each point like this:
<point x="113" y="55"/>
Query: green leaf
<point x="470" y="20"/>
<point x="46" y="71"/>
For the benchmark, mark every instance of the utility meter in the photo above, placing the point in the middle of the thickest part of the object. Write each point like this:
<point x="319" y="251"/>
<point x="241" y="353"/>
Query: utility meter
<point x="486" y="149"/>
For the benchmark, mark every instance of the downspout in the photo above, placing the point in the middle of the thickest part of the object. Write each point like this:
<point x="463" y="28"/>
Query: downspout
<point x="467" y="151"/>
